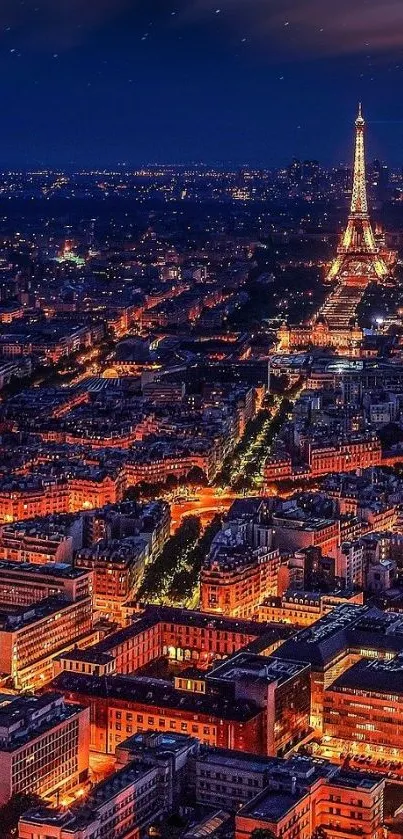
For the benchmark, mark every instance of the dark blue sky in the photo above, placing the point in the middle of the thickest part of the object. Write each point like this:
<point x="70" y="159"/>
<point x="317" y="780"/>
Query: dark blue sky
<point x="94" y="82"/>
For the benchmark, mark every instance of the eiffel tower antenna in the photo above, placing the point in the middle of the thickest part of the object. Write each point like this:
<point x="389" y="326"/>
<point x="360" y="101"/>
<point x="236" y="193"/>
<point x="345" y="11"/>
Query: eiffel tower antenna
<point x="357" y="254"/>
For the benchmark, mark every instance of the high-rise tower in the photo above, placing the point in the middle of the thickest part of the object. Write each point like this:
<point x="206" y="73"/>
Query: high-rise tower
<point x="358" y="256"/>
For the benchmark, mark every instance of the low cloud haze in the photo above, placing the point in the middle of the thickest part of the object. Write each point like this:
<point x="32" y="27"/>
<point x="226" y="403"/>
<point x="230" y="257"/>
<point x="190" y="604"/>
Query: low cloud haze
<point x="317" y="26"/>
<point x="302" y="27"/>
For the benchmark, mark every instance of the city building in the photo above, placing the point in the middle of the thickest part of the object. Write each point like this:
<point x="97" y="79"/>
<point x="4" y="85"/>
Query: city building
<point x="186" y="358"/>
<point x="117" y="567"/>
<point x="24" y="583"/>
<point x="44" y="745"/>
<point x="42" y="540"/>
<point x="121" y="706"/>
<point x="303" y="608"/>
<point x="32" y="636"/>
<point x="336" y="642"/>
<point x="238" y="573"/>
<point x="280" y="687"/>
<point x="227" y="707"/>
<point x="172" y="753"/>
<point x="180" y="636"/>
<point x="127" y="801"/>
<point x="348" y="804"/>
<point x="362" y="709"/>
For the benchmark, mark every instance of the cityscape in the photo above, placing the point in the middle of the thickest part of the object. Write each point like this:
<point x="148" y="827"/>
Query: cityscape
<point x="201" y="458"/>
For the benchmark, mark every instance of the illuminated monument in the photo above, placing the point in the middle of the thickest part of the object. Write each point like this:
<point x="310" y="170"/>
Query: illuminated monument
<point x="358" y="258"/>
<point x="359" y="262"/>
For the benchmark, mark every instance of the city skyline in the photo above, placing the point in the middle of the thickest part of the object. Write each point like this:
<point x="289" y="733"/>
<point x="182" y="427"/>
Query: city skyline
<point x="374" y="155"/>
<point x="201" y="419"/>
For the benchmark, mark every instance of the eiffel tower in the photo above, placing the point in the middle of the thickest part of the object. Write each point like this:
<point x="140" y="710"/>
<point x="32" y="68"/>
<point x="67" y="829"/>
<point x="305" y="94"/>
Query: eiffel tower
<point x="358" y="259"/>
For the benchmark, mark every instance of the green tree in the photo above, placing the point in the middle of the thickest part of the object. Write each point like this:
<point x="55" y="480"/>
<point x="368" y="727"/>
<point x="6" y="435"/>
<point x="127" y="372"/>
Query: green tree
<point x="133" y="493"/>
<point x="242" y="483"/>
<point x="159" y="574"/>
<point x="262" y="833"/>
<point x="144" y="490"/>
<point x="171" y="482"/>
<point x="319" y="833"/>
<point x="196" y="477"/>
<point x="11" y="812"/>
<point x="186" y="578"/>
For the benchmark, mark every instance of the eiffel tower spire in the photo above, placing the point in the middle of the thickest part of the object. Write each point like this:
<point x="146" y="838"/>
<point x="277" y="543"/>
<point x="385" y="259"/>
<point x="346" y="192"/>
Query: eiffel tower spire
<point x="359" y="201"/>
<point x="357" y="254"/>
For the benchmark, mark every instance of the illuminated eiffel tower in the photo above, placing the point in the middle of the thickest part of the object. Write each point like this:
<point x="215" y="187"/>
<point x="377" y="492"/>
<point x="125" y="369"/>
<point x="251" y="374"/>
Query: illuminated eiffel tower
<point x="358" y="258"/>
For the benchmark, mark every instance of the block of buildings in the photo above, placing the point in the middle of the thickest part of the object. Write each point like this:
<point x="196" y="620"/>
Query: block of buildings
<point x="44" y="745"/>
<point x="32" y="636"/>
<point x="363" y="709"/>
<point x="25" y="583"/>
<point x="179" y="635"/>
<point x="122" y="805"/>
<point x="238" y="573"/>
<point x="338" y="641"/>
<point x="118" y="567"/>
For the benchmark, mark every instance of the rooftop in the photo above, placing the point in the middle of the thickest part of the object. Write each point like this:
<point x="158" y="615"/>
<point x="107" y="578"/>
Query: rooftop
<point x="350" y="626"/>
<point x="61" y="570"/>
<point x="160" y="742"/>
<point x="270" y="806"/>
<point x="82" y="814"/>
<point x="155" y="693"/>
<point x="376" y="676"/>
<point x="270" y="632"/>
<point x="255" y="668"/>
<point x="23" y="718"/>
<point x="16" y="617"/>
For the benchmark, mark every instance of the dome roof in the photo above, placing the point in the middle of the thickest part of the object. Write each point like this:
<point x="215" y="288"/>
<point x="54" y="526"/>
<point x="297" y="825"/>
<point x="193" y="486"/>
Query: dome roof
<point x="322" y="322"/>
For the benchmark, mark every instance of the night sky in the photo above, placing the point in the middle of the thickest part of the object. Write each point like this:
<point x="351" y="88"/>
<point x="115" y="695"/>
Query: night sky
<point x="102" y="82"/>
